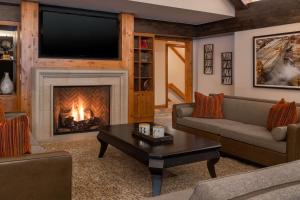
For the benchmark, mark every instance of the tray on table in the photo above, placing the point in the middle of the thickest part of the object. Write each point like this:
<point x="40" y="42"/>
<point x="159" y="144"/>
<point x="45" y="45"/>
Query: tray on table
<point x="167" y="139"/>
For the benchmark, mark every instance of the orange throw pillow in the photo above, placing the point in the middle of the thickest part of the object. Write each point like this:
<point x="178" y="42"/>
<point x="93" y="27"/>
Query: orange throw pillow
<point x="208" y="106"/>
<point x="282" y="114"/>
<point x="14" y="135"/>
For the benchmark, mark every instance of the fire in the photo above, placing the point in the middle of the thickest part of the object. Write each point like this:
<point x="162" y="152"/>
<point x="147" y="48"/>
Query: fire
<point x="78" y="111"/>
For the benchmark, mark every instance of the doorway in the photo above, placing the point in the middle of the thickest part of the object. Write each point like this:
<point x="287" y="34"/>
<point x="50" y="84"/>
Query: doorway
<point x="173" y="72"/>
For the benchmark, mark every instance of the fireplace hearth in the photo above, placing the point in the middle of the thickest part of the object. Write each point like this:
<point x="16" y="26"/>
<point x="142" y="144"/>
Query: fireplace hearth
<point x="80" y="108"/>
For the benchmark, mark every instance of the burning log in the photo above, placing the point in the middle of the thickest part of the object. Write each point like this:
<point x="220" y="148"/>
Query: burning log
<point x="67" y="122"/>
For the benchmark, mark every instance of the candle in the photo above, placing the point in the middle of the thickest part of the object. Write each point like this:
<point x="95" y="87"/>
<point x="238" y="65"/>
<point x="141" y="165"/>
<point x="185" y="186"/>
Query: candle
<point x="144" y="128"/>
<point x="158" y="131"/>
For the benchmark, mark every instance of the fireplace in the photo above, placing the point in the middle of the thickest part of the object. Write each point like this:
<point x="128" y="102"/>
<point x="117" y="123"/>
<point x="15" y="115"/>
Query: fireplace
<point x="80" y="108"/>
<point x="46" y="80"/>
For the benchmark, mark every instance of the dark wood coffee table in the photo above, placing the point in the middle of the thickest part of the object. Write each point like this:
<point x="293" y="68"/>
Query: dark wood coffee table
<point x="186" y="148"/>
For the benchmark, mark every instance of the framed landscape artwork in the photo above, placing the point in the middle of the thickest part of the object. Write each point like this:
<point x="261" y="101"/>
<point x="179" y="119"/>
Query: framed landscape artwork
<point x="276" y="60"/>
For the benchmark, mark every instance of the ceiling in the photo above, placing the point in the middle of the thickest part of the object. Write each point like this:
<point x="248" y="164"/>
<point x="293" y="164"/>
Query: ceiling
<point x="193" y="12"/>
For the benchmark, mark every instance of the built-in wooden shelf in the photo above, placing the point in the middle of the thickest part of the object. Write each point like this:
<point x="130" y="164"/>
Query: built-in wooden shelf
<point x="11" y="102"/>
<point x="143" y="77"/>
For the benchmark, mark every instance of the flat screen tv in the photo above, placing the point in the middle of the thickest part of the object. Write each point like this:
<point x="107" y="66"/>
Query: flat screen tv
<point x="74" y="33"/>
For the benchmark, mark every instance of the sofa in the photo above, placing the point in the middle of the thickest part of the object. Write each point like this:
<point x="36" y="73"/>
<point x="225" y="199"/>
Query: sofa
<point x="243" y="131"/>
<point x="36" y="176"/>
<point x="271" y="183"/>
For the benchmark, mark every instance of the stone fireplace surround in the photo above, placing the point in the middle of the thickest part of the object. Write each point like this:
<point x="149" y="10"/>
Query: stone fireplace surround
<point x="44" y="79"/>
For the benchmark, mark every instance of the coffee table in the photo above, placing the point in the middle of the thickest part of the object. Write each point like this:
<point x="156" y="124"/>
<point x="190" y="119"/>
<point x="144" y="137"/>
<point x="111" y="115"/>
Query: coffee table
<point x="186" y="148"/>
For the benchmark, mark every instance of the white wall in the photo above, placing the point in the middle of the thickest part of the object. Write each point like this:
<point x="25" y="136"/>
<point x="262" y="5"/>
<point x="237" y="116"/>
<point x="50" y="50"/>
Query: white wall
<point x="243" y="60"/>
<point x="212" y="83"/>
<point x="160" y="73"/>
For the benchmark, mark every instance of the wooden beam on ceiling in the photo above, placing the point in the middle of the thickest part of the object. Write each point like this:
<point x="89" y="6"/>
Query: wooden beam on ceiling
<point x="259" y="14"/>
<point x="238" y="4"/>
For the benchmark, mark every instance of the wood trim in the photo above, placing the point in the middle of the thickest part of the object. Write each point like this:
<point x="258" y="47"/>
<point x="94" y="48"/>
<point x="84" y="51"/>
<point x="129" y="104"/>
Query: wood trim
<point x="177" y="53"/>
<point x="29" y="14"/>
<point x="166" y="74"/>
<point x="188" y="66"/>
<point x="9" y="23"/>
<point x="188" y="71"/>
<point x="127" y="23"/>
<point x="176" y="90"/>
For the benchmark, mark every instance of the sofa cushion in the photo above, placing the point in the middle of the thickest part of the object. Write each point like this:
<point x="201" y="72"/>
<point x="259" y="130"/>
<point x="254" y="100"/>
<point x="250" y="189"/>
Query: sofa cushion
<point x="279" y="133"/>
<point x="255" y="135"/>
<point x="185" y="111"/>
<point x="234" y="186"/>
<point x="208" y="106"/>
<point x="246" y="111"/>
<point x="287" y="191"/>
<point x="210" y="125"/>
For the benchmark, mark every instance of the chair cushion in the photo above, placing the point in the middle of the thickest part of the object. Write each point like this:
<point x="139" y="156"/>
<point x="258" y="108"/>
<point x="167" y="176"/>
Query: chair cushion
<point x="208" y="106"/>
<point x="209" y="125"/>
<point x="279" y="133"/>
<point x="236" y="185"/>
<point x="255" y="135"/>
<point x="282" y="114"/>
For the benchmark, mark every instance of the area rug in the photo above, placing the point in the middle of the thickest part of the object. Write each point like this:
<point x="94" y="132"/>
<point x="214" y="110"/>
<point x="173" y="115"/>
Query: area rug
<point x="118" y="176"/>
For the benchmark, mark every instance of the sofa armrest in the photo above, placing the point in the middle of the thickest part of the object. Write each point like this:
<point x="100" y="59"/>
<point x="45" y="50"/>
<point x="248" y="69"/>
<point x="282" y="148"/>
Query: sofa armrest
<point x="293" y="141"/>
<point x="37" y="176"/>
<point x="181" y="110"/>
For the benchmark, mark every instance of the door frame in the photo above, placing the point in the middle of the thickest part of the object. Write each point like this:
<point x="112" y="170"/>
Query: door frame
<point x="188" y="66"/>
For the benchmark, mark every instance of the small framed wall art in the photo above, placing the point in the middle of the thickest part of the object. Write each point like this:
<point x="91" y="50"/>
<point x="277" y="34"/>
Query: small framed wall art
<point x="208" y="58"/>
<point x="226" y="65"/>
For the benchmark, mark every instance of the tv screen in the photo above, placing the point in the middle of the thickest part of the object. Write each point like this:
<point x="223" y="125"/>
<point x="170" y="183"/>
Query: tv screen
<point x="73" y="33"/>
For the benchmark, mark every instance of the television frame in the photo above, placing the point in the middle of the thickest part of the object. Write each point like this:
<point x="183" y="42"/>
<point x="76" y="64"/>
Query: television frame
<point x="77" y="11"/>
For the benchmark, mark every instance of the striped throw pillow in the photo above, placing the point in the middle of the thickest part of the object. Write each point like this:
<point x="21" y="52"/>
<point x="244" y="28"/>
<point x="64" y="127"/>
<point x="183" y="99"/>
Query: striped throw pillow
<point x="14" y="135"/>
<point x="208" y="106"/>
<point x="282" y="114"/>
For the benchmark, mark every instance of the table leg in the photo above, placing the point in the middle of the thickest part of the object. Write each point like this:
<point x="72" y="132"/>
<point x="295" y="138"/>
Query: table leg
<point x="211" y="166"/>
<point x="103" y="148"/>
<point x="157" y="177"/>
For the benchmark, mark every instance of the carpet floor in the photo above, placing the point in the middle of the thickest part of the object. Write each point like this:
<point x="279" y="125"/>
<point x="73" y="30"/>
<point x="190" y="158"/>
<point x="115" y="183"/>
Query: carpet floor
<point x="118" y="176"/>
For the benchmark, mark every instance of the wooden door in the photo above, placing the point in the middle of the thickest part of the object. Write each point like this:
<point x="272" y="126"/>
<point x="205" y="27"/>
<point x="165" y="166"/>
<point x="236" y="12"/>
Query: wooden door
<point x="144" y="110"/>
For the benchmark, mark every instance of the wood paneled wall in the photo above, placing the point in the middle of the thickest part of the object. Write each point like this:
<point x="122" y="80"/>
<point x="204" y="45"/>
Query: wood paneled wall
<point x="30" y="59"/>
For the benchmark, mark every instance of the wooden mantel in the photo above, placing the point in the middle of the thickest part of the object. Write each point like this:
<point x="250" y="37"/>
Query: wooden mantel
<point x="30" y="59"/>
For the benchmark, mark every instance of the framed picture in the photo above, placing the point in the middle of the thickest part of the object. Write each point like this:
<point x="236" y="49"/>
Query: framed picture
<point x="276" y="61"/>
<point x="208" y="58"/>
<point x="226" y="65"/>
